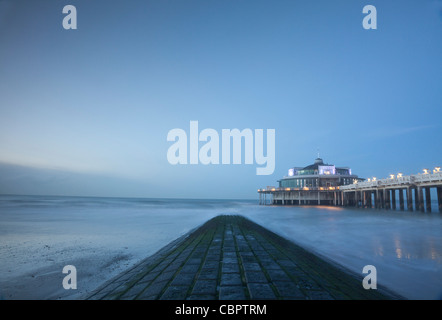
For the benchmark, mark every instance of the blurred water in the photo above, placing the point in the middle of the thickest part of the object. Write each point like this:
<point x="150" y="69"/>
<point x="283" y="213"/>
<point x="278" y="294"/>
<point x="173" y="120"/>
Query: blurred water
<point x="405" y="247"/>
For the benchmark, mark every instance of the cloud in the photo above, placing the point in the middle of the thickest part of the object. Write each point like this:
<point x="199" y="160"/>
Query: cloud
<point x="17" y="179"/>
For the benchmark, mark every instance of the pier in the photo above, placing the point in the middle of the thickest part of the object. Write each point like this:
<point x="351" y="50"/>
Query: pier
<point x="412" y="193"/>
<point x="233" y="258"/>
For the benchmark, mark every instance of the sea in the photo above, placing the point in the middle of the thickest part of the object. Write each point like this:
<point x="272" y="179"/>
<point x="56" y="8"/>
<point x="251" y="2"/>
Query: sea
<point x="102" y="237"/>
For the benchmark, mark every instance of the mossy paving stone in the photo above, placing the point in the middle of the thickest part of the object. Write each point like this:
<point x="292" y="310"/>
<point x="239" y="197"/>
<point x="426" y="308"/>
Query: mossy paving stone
<point x="231" y="257"/>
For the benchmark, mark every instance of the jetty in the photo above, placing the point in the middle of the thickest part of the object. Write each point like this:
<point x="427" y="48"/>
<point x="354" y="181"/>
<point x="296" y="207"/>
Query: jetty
<point x="233" y="258"/>
<point x="326" y="184"/>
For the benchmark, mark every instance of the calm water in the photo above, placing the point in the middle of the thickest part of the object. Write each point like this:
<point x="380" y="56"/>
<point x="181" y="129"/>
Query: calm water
<point x="406" y="248"/>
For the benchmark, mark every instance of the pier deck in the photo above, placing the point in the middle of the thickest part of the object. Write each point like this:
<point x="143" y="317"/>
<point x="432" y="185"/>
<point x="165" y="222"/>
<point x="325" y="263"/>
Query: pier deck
<point x="380" y="194"/>
<point x="232" y="258"/>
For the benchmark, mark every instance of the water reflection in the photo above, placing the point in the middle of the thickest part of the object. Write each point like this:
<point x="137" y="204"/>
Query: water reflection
<point x="398" y="247"/>
<point x="405" y="247"/>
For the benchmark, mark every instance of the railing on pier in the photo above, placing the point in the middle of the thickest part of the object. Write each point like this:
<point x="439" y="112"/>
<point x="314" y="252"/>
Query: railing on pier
<point x="274" y="189"/>
<point x="410" y="180"/>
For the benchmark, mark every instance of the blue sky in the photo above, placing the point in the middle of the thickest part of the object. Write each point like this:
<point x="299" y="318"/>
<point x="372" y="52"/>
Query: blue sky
<point x="87" y="111"/>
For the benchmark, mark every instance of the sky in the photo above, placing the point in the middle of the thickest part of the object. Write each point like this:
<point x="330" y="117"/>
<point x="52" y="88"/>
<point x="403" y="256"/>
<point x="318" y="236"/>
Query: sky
<point x="86" y="112"/>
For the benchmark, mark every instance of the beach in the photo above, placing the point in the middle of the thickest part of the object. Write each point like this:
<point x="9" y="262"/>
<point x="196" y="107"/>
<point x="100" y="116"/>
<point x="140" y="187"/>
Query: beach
<point x="102" y="237"/>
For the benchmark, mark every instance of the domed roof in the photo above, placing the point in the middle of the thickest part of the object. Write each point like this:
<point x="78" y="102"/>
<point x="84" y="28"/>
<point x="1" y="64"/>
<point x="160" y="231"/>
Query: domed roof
<point x="314" y="166"/>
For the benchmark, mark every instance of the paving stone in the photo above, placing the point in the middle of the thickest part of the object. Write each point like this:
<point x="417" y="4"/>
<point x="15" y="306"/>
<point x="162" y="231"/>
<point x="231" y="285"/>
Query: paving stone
<point x="319" y="295"/>
<point x="213" y="257"/>
<point x="202" y="297"/>
<point x="308" y="284"/>
<point x="278" y="275"/>
<point x="231" y="279"/>
<point x="276" y="254"/>
<point x="230" y="268"/>
<point x="296" y="272"/>
<point x="180" y="260"/>
<point x="172" y="268"/>
<point x="229" y="255"/>
<point x="175" y="293"/>
<point x="112" y="286"/>
<point x="260" y="291"/>
<point x="203" y="287"/>
<point x="153" y="290"/>
<point x="251" y="266"/>
<point x="256" y="277"/>
<point x="249" y="257"/>
<point x="209" y="264"/>
<point x="286" y="263"/>
<point x="243" y="248"/>
<point x="208" y="274"/>
<point x="158" y="269"/>
<point x="190" y="268"/>
<point x="183" y="279"/>
<point x="125" y="297"/>
<point x="165" y="276"/>
<point x="97" y="296"/>
<point x="230" y="260"/>
<point x="214" y="248"/>
<point x="257" y="248"/>
<point x="289" y="290"/>
<point x="135" y="290"/>
<point x="149" y="277"/>
<point x="196" y="261"/>
<point x="201" y="249"/>
<point x="232" y="293"/>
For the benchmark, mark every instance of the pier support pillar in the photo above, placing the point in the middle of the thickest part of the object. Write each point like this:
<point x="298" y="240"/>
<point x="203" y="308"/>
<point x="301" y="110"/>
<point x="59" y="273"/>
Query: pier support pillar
<point x="439" y="198"/>
<point x="401" y="199"/>
<point x="364" y="197"/>
<point x="393" y="199"/>
<point x="376" y="199"/>
<point x="356" y="204"/>
<point x="420" y="199"/>
<point x="370" y="204"/>
<point x="409" y="199"/>
<point x="428" y="199"/>
<point x="387" y="199"/>
<point x="381" y="199"/>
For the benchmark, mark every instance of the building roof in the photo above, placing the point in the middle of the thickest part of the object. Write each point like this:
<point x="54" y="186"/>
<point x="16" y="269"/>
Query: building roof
<point x="314" y="166"/>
